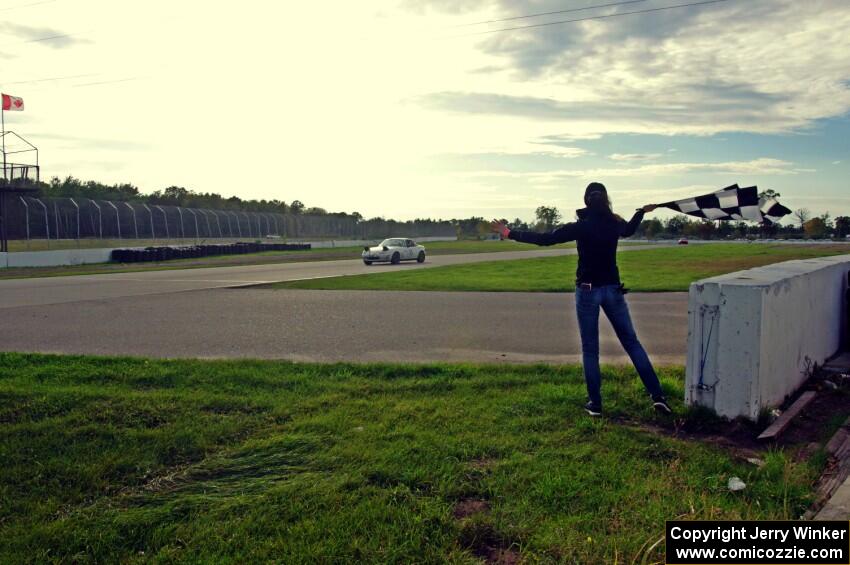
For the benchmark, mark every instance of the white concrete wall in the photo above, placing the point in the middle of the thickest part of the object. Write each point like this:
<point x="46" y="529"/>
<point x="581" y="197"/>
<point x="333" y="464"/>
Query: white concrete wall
<point x="56" y="257"/>
<point x="752" y="333"/>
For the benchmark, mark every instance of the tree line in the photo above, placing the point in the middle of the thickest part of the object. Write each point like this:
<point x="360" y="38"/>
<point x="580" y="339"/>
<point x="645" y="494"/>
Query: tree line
<point x="820" y="227"/>
<point x="805" y="225"/>
<point x="72" y="187"/>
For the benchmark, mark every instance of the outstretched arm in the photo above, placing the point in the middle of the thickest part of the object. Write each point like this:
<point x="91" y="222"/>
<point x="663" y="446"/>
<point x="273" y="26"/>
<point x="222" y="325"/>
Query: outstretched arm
<point x="628" y="228"/>
<point x="567" y="232"/>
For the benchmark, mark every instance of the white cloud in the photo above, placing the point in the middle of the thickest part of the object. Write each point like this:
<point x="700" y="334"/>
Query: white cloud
<point x="521" y="148"/>
<point x="762" y="166"/>
<point x="698" y="71"/>
<point x="635" y="156"/>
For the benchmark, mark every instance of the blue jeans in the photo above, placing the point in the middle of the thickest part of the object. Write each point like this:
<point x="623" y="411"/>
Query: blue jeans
<point x="612" y="301"/>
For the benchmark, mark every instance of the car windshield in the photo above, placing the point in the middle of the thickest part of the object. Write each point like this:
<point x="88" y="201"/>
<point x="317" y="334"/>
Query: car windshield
<point x="392" y="243"/>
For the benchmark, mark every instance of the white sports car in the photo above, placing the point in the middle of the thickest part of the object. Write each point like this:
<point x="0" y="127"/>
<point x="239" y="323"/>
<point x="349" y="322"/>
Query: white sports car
<point x="394" y="250"/>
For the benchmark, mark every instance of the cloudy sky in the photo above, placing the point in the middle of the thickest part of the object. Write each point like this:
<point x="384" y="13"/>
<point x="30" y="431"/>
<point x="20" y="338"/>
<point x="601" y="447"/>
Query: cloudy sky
<point x="415" y="108"/>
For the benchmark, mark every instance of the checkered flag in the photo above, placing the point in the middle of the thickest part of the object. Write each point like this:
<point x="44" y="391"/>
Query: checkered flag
<point x="731" y="203"/>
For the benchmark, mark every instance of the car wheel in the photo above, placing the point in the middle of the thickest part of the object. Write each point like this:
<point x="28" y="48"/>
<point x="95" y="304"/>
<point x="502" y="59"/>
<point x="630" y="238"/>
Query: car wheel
<point x="421" y="257"/>
<point x="367" y="263"/>
<point x="396" y="258"/>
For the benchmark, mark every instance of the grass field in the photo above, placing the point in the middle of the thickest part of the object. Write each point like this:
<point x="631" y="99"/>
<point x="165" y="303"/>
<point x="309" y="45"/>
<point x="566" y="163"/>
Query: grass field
<point x="267" y="257"/>
<point x="652" y="270"/>
<point x="119" y="460"/>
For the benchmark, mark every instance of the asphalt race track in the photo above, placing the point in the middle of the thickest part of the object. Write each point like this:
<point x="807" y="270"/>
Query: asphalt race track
<point x="54" y="290"/>
<point x="216" y="313"/>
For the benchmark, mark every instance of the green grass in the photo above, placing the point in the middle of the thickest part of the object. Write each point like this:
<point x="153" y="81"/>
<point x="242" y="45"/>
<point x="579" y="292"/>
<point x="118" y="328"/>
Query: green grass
<point x="266" y="257"/>
<point x="133" y="460"/>
<point x="650" y="270"/>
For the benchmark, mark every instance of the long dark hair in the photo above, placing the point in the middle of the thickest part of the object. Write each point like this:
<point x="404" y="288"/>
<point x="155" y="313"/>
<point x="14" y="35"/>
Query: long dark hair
<point x="597" y="201"/>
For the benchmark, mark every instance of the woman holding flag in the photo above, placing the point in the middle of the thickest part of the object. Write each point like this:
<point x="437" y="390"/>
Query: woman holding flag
<point x="598" y="285"/>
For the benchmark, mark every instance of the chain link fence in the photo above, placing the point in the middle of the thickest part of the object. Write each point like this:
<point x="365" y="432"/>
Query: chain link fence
<point x="47" y="223"/>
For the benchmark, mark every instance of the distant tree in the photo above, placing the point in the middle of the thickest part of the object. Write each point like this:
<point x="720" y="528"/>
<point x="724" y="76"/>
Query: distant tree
<point x="483" y="230"/>
<point x="789" y="230"/>
<point x="802" y="215"/>
<point x="706" y="229"/>
<point x="816" y="228"/>
<point x="315" y="211"/>
<point x="547" y="217"/>
<point x="785" y="231"/>
<point x="518" y="224"/>
<point x="296" y="207"/>
<point x="176" y="194"/>
<point x="689" y="229"/>
<point x="741" y="229"/>
<point x="651" y="228"/>
<point x="724" y="230"/>
<point x="768" y="229"/>
<point x="842" y="226"/>
<point x="469" y="227"/>
<point x="71" y="187"/>
<point x="675" y="226"/>
<point x="769" y="193"/>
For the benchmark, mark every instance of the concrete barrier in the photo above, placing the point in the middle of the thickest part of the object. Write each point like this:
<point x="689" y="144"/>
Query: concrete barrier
<point x="754" y="335"/>
<point x="56" y="257"/>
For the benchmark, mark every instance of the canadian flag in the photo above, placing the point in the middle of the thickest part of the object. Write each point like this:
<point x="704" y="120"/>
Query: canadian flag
<point x="13" y="103"/>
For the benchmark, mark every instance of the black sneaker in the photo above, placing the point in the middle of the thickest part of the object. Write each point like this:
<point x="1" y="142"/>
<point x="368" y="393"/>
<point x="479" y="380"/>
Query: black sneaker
<point x="593" y="409"/>
<point x="661" y="406"/>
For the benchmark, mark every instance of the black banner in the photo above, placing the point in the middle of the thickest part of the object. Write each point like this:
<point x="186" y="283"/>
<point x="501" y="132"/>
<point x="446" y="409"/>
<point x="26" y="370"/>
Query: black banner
<point x="758" y="543"/>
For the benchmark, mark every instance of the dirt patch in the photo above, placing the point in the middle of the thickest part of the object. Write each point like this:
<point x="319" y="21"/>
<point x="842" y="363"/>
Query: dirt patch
<point x="502" y="556"/>
<point x="744" y="447"/>
<point x="820" y="419"/>
<point x="477" y="533"/>
<point x="467" y="507"/>
<point x="815" y="424"/>
<point x="482" y="464"/>
<point x="804" y="437"/>
<point x="739" y="433"/>
<point x="485" y="543"/>
<point x="224" y="408"/>
<point x="736" y="436"/>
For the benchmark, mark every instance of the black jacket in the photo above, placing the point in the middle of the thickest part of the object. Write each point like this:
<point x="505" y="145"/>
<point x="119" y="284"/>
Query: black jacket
<point x="596" y="238"/>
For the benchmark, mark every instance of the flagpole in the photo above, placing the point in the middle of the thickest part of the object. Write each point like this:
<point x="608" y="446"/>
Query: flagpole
<point x="4" y="246"/>
<point x="3" y="127"/>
